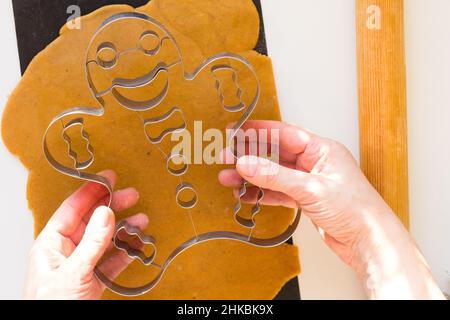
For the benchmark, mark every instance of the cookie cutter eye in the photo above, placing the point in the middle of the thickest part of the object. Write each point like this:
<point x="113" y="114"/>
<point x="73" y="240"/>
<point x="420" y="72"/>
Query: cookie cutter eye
<point x="107" y="55"/>
<point x="150" y="43"/>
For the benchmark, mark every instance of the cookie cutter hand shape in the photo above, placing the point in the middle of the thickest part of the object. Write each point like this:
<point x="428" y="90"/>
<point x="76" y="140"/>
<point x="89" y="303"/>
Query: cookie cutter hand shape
<point x="76" y="116"/>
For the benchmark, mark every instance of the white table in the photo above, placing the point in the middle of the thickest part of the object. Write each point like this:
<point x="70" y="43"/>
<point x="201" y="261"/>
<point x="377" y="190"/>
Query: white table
<point x="312" y="43"/>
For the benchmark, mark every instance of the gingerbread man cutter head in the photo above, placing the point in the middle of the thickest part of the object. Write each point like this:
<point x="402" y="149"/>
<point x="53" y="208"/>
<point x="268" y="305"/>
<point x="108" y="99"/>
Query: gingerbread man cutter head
<point x="106" y="55"/>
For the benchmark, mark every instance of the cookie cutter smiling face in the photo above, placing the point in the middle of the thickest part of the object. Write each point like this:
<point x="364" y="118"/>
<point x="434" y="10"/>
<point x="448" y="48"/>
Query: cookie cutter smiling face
<point x="106" y="56"/>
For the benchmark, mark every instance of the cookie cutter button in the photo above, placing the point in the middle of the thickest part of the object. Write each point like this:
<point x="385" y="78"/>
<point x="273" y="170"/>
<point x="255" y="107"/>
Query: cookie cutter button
<point x="190" y="203"/>
<point x="170" y="160"/>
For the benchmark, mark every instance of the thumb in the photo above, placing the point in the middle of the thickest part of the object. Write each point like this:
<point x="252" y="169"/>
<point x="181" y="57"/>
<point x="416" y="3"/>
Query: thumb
<point x="267" y="174"/>
<point x="96" y="240"/>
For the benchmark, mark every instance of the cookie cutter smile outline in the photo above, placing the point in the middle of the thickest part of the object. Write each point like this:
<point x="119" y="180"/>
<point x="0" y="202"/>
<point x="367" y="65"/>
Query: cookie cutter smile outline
<point x="139" y="106"/>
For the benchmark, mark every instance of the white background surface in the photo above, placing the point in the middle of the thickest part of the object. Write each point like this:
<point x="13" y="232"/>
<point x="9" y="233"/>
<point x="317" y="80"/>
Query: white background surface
<point x="16" y="233"/>
<point x="312" y="43"/>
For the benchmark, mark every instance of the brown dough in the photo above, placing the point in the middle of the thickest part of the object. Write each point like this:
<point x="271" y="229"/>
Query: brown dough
<point x="55" y="81"/>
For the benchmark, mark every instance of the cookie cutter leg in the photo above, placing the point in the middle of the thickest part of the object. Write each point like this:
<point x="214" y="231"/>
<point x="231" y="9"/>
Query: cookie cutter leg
<point x="201" y="238"/>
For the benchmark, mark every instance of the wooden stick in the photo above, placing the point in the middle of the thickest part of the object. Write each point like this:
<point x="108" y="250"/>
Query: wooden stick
<point x="382" y="100"/>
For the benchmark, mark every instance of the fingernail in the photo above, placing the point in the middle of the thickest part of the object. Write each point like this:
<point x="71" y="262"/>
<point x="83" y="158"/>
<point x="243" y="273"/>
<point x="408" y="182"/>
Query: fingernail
<point x="248" y="165"/>
<point x="132" y="190"/>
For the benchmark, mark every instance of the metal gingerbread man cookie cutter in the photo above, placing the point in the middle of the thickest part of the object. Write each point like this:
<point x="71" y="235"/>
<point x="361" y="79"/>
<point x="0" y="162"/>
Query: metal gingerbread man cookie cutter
<point x="139" y="106"/>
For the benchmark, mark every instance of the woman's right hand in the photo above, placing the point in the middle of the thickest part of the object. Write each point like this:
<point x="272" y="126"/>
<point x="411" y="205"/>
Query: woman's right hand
<point x="321" y="177"/>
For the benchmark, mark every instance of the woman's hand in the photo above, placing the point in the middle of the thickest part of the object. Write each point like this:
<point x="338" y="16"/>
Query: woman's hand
<point x="321" y="177"/>
<point x="63" y="257"/>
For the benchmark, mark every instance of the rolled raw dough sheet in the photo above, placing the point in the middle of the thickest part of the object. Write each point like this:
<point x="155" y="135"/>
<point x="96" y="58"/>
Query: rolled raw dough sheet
<point x="55" y="81"/>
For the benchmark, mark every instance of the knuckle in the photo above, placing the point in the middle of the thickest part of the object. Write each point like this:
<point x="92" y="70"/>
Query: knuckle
<point x="338" y="147"/>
